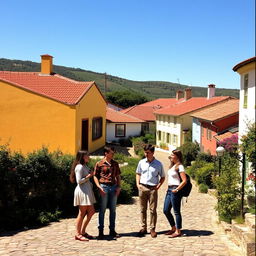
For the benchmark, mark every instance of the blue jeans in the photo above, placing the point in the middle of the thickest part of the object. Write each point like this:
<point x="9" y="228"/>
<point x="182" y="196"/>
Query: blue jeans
<point x="173" y="200"/>
<point x="108" y="200"/>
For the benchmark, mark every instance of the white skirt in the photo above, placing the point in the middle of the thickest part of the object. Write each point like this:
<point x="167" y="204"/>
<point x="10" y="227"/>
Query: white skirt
<point x="84" y="195"/>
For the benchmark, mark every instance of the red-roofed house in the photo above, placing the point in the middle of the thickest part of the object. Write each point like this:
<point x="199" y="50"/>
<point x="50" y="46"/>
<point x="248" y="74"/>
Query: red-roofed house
<point x="121" y="125"/>
<point x="44" y="108"/>
<point x="146" y="111"/>
<point x="174" y="121"/>
<point x="214" y="122"/>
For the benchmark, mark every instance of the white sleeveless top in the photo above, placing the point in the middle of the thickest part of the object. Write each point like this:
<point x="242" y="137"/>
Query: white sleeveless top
<point x="173" y="176"/>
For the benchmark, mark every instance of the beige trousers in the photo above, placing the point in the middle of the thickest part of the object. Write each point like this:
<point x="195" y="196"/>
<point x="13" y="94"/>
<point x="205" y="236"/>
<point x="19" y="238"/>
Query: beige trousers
<point x="148" y="196"/>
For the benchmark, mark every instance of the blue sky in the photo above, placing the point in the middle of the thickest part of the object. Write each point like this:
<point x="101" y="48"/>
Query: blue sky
<point x="192" y="42"/>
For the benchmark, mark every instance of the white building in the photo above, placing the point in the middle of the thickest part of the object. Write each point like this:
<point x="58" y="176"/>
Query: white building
<point x="121" y="126"/>
<point x="246" y="70"/>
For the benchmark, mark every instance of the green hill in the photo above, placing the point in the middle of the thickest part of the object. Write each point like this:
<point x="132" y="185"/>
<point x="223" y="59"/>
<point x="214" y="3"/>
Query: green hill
<point x="150" y="89"/>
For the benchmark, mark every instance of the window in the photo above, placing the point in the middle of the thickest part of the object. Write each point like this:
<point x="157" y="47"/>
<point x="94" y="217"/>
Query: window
<point x="245" y="90"/>
<point x="168" y="138"/>
<point x="96" y="128"/>
<point x="120" y="130"/>
<point x="145" y="128"/>
<point x="202" y="131"/>
<point x="174" y="139"/>
<point x="159" y="135"/>
<point x="209" y="134"/>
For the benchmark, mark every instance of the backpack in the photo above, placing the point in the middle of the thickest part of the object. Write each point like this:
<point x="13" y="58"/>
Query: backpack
<point x="185" y="191"/>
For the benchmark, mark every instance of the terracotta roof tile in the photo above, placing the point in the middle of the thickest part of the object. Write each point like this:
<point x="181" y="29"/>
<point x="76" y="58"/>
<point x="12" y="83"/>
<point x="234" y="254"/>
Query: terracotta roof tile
<point x="119" y="117"/>
<point x="146" y="110"/>
<point x="184" y="107"/>
<point x="56" y="87"/>
<point x="218" y="111"/>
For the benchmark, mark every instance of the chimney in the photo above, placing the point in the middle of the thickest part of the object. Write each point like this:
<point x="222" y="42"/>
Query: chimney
<point x="211" y="91"/>
<point x="187" y="94"/>
<point x="179" y="94"/>
<point x="46" y="64"/>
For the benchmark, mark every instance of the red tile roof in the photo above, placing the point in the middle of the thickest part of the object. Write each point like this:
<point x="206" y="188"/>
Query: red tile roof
<point x="119" y="117"/>
<point x="56" y="87"/>
<point x="184" y="107"/>
<point x="146" y="110"/>
<point x="218" y="111"/>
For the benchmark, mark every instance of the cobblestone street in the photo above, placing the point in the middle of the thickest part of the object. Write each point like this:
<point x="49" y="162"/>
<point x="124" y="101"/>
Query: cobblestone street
<point x="202" y="235"/>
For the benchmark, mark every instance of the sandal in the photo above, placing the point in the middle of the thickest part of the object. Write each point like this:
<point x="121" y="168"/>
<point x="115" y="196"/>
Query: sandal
<point x="175" y="235"/>
<point x="81" y="238"/>
<point x="170" y="232"/>
<point x="88" y="236"/>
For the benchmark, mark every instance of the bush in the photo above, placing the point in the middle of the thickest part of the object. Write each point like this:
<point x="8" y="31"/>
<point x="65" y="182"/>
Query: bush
<point x="203" y="188"/>
<point x="33" y="184"/>
<point x="192" y="170"/>
<point x="248" y="145"/>
<point x="227" y="185"/>
<point x="125" y="196"/>
<point x="189" y="151"/>
<point x="128" y="176"/>
<point x="138" y="145"/>
<point x="205" y="157"/>
<point x="204" y="174"/>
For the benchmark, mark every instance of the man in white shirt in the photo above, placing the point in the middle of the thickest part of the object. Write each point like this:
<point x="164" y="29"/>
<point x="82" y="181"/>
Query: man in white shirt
<point x="150" y="176"/>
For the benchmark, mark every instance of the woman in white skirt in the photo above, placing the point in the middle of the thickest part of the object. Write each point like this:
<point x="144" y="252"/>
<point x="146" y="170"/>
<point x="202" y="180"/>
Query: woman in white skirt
<point x="83" y="195"/>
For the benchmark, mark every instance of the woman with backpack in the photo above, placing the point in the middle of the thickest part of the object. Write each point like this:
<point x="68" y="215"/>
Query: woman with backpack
<point x="83" y="195"/>
<point x="176" y="181"/>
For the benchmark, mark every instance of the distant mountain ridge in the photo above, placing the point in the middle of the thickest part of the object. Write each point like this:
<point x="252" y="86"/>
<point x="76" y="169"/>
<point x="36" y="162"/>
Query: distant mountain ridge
<point x="150" y="89"/>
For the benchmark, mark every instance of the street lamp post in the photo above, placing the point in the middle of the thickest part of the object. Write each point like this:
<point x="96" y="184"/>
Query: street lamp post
<point x="220" y="152"/>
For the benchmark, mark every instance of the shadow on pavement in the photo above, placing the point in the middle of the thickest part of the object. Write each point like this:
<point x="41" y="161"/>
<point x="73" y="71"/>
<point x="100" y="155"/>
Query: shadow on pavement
<point x="191" y="232"/>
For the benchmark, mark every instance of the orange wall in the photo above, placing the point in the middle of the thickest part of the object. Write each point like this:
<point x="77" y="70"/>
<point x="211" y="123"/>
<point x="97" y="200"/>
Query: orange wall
<point x="92" y="105"/>
<point x="211" y="145"/>
<point x="28" y="121"/>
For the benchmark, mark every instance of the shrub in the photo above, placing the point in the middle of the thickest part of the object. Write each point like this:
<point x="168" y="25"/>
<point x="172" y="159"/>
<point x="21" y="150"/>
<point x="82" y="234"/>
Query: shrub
<point x="204" y="174"/>
<point x="248" y="145"/>
<point x="192" y="170"/>
<point x="138" y="145"/>
<point x="189" y="151"/>
<point x="126" y="193"/>
<point x="205" y="157"/>
<point x="203" y="188"/>
<point x="227" y="185"/>
<point x="128" y="176"/>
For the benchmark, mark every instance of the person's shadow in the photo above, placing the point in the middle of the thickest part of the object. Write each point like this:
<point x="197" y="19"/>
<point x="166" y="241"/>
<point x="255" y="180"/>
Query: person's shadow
<point x="191" y="232"/>
<point x="185" y="232"/>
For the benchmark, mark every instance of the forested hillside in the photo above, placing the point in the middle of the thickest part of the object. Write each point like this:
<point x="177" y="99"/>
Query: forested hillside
<point x="149" y="89"/>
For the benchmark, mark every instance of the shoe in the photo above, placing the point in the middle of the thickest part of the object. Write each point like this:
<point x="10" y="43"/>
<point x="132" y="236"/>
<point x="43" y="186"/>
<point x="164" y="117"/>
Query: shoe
<point x="175" y="235"/>
<point x="101" y="235"/>
<point x="142" y="232"/>
<point x="81" y="238"/>
<point x="169" y="232"/>
<point x="153" y="233"/>
<point x="114" y="234"/>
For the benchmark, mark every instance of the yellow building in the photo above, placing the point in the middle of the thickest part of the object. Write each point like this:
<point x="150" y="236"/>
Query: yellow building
<point x="45" y="109"/>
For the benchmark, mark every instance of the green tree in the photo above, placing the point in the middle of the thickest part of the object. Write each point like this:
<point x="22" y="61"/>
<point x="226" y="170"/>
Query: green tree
<point x="125" y="98"/>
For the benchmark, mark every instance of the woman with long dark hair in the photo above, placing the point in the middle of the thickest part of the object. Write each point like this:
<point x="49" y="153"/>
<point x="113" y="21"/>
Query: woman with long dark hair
<point x="176" y="181"/>
<point x="83" y="195"/>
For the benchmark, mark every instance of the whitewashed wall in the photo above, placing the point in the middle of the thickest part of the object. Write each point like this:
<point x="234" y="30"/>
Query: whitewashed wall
<point x="247" y="115"/>
<point x="132" y="129"/>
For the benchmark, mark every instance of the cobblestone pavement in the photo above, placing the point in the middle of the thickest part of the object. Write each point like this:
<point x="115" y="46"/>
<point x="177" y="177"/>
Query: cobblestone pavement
<point x="201" y="233"/>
